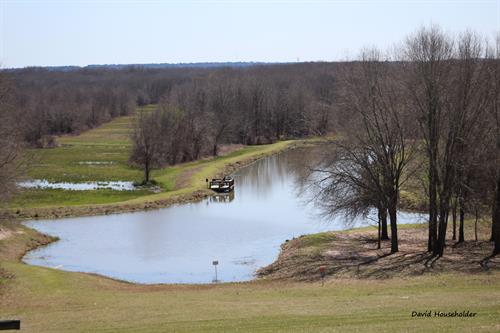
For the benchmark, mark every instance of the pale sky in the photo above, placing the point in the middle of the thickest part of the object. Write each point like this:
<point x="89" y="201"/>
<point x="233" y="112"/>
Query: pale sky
<point x="48" y="33"/>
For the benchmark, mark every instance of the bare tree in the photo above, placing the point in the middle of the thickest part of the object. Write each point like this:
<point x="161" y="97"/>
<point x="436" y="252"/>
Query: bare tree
<point x="346" y="185"/>
<point x="147" y="149"/>
<point x="372" y="162"/>
<point x="494" y="69"/>
<point x="10" y="142"/>
<point x="382" y="130"/>
<point x="428" y="54"/>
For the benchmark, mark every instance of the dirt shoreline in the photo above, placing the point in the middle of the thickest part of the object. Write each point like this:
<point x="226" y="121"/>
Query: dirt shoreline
<point x="353" y="254"/>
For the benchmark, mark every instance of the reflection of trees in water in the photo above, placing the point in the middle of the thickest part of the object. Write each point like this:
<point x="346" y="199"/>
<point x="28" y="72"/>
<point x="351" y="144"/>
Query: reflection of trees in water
<point x="258" y="177"/>
<point x="276" y="170"/>
<point x="221" y="197"/>
<point x="306" y="161"/>
<point x="314" y="182"/>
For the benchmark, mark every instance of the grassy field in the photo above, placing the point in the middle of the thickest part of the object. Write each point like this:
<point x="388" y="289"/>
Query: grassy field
<point x="50" y="300"/>
<point x="74" y="160"/>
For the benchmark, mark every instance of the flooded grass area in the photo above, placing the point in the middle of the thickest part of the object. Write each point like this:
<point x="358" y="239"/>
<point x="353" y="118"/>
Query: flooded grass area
<point x="86" y="186"/>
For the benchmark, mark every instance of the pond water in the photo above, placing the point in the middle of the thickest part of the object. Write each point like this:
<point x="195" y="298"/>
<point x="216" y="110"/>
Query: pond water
<point x="242" y="231"/>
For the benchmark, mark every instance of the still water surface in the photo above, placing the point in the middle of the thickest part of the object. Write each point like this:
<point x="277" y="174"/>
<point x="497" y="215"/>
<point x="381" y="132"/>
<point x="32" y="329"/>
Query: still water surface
<point x="243" y="231"/>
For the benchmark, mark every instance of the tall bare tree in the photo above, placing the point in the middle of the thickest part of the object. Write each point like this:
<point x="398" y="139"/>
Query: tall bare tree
<point x="147" y="150"/>
<point x="494" y="70"/>
<point x="10" y="141"/>
<point x="372" y="162"/>
<point x="428" y="53"/>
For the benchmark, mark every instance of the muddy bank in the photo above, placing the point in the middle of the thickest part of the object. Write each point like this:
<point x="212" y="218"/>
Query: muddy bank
<point x="354" y="254"/>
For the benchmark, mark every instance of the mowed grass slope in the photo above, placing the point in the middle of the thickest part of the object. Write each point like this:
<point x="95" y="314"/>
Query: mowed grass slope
<point x="49" y="300"/>
<point x="102" y="154"/>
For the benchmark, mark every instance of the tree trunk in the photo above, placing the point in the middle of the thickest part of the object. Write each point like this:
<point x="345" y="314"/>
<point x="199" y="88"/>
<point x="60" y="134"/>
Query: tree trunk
<point x="495" y="219"/>
<point x="461" y="237"/>
<point x="146" y="172"/>
<point x="476" y="211"/>
<point x="379" y="228"/>
<point x="495" y="234"/>
<point x="441" y="240"/>
<point x="454" y="218"/>
<point x="496" y="250"/>
<point x="446" y="224"/>
<point x="432" y="207"/>
<point x="394" y="223"/>
<point x="433" y="175"/>
<point x="383" y="215"/>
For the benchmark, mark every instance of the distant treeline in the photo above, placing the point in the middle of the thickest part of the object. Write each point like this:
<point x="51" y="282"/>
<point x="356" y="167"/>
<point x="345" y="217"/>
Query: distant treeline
<point x="251" y="105"/>
<point x="228" y="64"/>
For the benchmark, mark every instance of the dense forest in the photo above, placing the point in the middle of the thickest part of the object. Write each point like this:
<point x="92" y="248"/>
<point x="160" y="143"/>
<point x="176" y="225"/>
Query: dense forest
<point x="427" y="113"/>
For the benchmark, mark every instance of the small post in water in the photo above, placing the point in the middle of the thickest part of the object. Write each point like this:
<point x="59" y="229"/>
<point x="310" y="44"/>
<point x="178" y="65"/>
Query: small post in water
<point x="215" y="263"/>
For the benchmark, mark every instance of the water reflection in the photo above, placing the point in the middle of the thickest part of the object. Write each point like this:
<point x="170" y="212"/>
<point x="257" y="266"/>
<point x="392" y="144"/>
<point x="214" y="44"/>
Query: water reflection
<point x="242" y="230"/>
<point x="221" y="198"/>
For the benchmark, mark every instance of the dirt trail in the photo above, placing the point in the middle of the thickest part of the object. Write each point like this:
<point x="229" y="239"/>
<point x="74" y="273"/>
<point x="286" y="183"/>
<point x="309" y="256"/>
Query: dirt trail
<point x="4" y="233"/>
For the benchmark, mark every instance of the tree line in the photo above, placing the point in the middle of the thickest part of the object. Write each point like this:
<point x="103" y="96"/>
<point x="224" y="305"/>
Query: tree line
<point x="56" y="102"/>
<point x="429" y="113"/>
<point x="246" y="106"/>
<point x="68" y="101"/>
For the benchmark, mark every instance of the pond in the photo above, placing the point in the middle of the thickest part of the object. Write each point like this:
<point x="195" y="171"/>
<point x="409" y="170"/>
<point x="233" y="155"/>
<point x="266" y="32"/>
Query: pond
<point x="242" y="231"/>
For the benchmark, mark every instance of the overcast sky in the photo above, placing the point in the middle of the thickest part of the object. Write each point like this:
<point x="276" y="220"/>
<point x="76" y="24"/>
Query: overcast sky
<point x="81" y="32"/>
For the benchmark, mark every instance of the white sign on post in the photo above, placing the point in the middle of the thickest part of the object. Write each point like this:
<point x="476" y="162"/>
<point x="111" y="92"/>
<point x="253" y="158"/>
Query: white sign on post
<point x="215" y="263"/>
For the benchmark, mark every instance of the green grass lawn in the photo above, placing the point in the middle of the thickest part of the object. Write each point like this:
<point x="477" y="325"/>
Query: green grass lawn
<point x="48" y="300"/>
